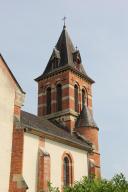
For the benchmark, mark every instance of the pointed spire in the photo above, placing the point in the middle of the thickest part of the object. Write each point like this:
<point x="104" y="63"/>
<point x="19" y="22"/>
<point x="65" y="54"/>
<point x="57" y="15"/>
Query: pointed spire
<point x="66" y="48"/>
<point x="85" y="118"/>
<point x="67" y="51"/>
<point x="69" y="56"/>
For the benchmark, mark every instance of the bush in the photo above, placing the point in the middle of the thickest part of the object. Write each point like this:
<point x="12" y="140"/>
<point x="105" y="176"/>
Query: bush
<point x="117" y="184"/>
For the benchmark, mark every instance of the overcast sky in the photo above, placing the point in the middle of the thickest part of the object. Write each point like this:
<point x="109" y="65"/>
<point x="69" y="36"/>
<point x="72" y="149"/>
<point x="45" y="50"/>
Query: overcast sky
<point x="29" y="30"/>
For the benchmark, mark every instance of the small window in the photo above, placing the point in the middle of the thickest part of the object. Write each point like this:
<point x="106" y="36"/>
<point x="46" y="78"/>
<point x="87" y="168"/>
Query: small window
<point x="59" y="97"/>
<point x="76" y="102"/>
<point x="67" y="170"/>
<point x="48" y="95"/>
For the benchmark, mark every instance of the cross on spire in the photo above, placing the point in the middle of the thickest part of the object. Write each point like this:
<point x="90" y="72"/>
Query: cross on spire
<point x="64" y="19"/>
<point x="76" y="48"/>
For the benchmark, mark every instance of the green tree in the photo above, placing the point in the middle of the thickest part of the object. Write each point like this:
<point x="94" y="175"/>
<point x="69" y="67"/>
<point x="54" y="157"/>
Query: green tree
<point x="117" y="184"/>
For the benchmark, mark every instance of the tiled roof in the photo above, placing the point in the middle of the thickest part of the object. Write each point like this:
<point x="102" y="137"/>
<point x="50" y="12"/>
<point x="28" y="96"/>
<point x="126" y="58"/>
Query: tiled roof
<point x="43" y="125"/>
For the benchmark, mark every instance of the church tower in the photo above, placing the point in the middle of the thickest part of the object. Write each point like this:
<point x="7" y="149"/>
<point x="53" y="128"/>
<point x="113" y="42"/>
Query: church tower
<point x="65" y="95"/>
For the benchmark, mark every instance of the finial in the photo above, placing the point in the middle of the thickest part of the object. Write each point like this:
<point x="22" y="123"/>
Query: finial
<point x="64" y="21"/>
<point x="76" y="47"/>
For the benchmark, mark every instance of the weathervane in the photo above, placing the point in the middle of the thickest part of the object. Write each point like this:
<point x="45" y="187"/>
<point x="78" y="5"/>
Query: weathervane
<point x="64" y="21"/>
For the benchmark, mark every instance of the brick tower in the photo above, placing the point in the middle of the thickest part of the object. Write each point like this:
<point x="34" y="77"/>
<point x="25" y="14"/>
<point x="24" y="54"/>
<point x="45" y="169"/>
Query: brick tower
<point x="65" y="94"/>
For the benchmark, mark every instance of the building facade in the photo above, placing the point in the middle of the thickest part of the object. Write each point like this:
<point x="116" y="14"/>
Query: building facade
<point x="60" y="143"/>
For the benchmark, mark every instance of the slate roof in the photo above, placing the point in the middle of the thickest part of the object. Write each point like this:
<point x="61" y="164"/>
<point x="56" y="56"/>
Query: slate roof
<point x="65" y="50"/>
<point x="43" y="125"/>
<point x="85" y="119"/>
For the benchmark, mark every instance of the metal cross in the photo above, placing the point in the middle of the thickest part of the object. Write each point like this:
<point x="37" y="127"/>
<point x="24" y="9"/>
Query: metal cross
<point x="64" y="20"/>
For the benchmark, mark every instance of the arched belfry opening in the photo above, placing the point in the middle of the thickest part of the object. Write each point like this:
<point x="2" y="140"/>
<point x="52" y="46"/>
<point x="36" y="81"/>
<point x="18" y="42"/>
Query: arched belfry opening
<point x="84" y="97"/>
<point x="76" y="100"/>
<point x="48" y="99"/>
<point x="59" y="97"/>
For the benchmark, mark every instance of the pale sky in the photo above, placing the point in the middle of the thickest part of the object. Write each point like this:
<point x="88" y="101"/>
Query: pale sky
<point x="29" y="30"/>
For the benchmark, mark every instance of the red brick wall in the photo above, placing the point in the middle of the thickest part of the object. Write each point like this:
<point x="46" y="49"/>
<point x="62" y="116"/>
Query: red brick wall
<point x="42" y="86"/>
<point x="43" y="171"/>
<point x="17" y="156"/>
<point x="92" y="135"/>
<point x="70" y="78"/>
<point x="66" y="78"/>
<point x="43" y="167"/>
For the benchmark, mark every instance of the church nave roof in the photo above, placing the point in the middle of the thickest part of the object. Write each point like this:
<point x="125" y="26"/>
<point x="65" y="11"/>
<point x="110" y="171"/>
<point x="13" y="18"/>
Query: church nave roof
<point x="30" y="121"/>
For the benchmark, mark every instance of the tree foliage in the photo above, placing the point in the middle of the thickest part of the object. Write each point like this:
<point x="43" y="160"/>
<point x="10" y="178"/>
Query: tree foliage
<point x="117" y="184"/>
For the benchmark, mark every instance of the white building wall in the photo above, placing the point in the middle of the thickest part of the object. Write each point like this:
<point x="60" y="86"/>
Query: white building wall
<point x="7" y="96"/>
<point x="30" y="161"/>
<point x="56" y="150"/>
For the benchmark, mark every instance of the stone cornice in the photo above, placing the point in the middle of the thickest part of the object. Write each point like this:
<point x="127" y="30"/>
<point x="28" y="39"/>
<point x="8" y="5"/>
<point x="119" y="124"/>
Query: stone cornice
<point x="62" y="69"/>
<point x="61" y="113"/>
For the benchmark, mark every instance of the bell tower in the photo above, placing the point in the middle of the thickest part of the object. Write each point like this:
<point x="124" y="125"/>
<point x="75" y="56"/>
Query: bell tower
<point x="63" y="84"/>
<point x="65" y="92"/>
